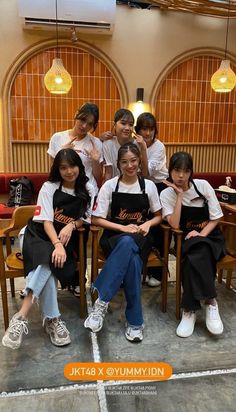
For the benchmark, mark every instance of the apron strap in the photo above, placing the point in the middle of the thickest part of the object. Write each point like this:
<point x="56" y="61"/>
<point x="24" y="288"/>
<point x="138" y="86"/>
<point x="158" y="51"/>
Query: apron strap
<point x="140" y="180"/>
<point x="199" y="193"/>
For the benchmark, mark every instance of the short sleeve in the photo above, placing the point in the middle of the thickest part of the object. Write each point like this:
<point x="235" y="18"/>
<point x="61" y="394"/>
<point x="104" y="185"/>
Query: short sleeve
<point x="44" y="209"/>
<point x="102" y="205"/>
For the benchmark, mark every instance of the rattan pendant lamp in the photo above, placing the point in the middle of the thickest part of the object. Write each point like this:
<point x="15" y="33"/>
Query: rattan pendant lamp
<point x="224" y="79"/>
<point x="57" y="80"/>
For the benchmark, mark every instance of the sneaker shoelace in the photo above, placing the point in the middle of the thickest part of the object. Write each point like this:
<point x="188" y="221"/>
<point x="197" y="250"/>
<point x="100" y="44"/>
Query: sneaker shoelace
<point x="99" y="310"/>
<point x="213" y="313"/>
<point x="60" y="327"/>
<point x="18" y="327"/>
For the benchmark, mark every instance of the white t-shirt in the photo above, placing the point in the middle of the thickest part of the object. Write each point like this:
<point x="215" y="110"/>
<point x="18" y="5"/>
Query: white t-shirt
<point x="61" y="138"/>
<point x="44" y="209"/>
<point x="156" y="154"/>
<point x="103" y="203"/>
<point x="110" y="154"/>
<point x="168" y="199"/>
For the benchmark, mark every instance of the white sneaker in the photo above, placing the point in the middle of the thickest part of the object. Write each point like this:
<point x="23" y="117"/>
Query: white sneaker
<point x="94" y="321"/>
<point x="76" y="291"/>
<point x="13" y="335"/>
<point x="213" y="321"/>
<point x="134" y="333"/>
<point x="186" y="326"/>
<point x="153" y="282"/>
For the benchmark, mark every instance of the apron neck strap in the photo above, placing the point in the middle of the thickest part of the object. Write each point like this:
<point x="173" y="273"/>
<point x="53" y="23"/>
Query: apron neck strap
<point x="140" y="180"/>
<point x="199" y="193"/>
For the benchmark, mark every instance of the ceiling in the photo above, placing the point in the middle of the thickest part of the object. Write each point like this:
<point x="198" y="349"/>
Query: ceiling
<point x="217" y="8"/>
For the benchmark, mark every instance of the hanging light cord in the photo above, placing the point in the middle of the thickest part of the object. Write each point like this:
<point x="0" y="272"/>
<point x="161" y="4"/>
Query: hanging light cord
<point x="57" y="53"/>
<point x="227" y="31"/>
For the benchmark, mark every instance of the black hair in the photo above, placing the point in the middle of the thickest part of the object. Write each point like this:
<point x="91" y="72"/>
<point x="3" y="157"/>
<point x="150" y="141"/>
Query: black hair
<point x="128" y="147"/>
<point x="73" y="159"/>
<point x="146" y="119"/>
<point x="124" y="114"/>
<point x="86" y="110"/>
<point x="181" y="160"/>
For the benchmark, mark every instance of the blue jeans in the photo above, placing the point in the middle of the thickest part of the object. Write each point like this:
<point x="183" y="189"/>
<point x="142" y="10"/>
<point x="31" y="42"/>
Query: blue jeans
<point x="123" y="265"/>
<point x="43" y="285"/>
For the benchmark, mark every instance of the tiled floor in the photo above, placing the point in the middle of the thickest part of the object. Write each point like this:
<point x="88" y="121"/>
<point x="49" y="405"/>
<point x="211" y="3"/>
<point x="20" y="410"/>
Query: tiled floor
<point x="204" y="366"/>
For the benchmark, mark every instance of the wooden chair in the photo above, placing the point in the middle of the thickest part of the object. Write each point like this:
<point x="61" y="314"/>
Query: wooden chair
<point x="227" y="263"/>
<point x="228" y="227"/>
<point x="98" y="260"/>
<point x="12" y="267"/>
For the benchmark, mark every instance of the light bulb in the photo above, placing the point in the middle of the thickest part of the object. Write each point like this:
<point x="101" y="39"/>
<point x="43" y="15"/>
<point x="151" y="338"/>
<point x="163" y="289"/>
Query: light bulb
<point x="58" y="79"/>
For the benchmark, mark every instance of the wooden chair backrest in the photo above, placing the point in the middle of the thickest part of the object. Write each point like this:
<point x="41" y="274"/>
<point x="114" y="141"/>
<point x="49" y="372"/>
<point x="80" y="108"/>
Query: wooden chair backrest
<point x="20" y="218"/>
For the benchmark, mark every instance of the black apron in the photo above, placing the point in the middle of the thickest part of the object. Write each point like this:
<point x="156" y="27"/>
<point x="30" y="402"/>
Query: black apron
<point x="37" y="247"/>
<point x="128" y="208"/>
<point x="196" y="218"/>
<point x="199" y="256"/>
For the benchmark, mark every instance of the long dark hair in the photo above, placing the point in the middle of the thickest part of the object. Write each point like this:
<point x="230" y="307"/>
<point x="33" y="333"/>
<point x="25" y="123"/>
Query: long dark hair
<point x="181" y="160"/>
<point x="146" y="119"/>
<point x="88" y="109"/>
<point x="128" y="147"/>
<point x="73" y="159"/>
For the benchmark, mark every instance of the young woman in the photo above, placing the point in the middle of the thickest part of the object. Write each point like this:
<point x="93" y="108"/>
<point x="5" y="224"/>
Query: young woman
<point x="191" y="205"/>
<point x="50" y="245"/>
<point x="122" y="209"/>
<point x="155" y="153"/>
<point x="86" y="145"/>
<point x="121" y="133"/>
<point x="154" y="168"/>
<point x="89" y="149"/>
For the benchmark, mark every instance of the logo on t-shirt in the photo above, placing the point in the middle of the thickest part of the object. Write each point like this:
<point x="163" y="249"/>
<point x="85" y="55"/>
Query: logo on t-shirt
<point x="37" y="211"/>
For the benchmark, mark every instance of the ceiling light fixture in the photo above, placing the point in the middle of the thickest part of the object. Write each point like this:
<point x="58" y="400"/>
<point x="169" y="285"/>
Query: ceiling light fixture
<point x="57" y="80"/>
<point x="224" y="79"/>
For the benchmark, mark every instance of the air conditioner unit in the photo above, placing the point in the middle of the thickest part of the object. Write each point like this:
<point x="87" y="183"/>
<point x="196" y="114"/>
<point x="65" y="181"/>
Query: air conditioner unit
<point x="88" y="16"/>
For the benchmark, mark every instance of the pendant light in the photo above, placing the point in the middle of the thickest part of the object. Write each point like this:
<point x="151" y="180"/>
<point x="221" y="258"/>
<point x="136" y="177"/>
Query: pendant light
<point x="224" y="79"/>
<point x="57" y="80"/>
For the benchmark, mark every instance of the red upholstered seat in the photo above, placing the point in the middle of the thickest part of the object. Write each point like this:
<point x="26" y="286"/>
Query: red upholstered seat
<point x="6" y="212"/>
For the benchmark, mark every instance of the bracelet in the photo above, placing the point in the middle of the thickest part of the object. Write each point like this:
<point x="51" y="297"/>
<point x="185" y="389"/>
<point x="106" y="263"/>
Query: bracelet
<point x="57" y="241"/>
<point x="74" y="224"/>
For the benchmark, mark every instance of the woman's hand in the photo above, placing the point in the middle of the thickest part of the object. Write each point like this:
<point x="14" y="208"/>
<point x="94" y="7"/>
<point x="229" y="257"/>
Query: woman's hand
<point x="65" y="234"/>
<point x="193" y="233"/>
<point x="144" y="228"/>
<point x="129" y="228"/>
<point x="106" y="136"/>
<point x="59" y="255"/>
<point x="140" y="140"/>
<point x="178" y="190"/>
<point x="93" y="154"/>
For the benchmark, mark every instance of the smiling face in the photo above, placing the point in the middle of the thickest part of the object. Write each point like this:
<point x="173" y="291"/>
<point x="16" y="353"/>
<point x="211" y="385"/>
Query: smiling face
<point x="69" y="173"/>
<point x="123" y="130"/>
<point x="129" y="164"/>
